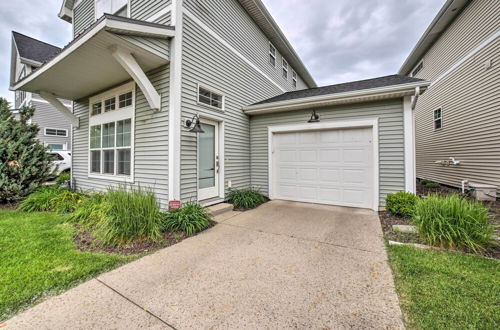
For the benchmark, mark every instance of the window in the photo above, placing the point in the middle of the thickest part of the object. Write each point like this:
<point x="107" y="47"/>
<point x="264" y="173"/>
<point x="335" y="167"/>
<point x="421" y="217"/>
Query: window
<point x="56" y="132"/>
<point x="285" y="68"/>
<point x="438" y="118"/>
<point x="417" y="69"/>
<point x="272" y="55"/>
<point x="114" y="7"/>
<point x="294" y="79"/>
<point x="210" y="98"/>
<point x="111" y="134"/>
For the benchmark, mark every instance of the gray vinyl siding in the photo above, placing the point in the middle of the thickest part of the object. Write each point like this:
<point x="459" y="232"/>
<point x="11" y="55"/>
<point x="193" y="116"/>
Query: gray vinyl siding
<point x="477" y="22"/>
<point x="156" y="46"/>
<point x="391" y="139"/>
<point x="165" y="19"/>
<point x="83" y="16"/>
<point x="232" y="23"/>
<point x="143" y="9"/>
<point x="470" y="99"/>
<point x="151" y="143"/>
<point x="47" y="117"/>
<point x="210" y="63"/>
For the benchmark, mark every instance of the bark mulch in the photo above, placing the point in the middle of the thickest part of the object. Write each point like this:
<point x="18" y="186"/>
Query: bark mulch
<point x="8" y="206"/>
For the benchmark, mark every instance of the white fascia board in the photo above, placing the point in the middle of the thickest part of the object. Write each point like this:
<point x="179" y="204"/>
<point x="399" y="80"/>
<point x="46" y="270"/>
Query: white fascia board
<point x="355" y="96"/>
<point x="150" y="31"/>
<point x="30" y="62"/>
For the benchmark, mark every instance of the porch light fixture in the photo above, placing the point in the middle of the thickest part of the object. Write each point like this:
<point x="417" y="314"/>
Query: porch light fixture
<point x="314" y="117"/>
<point x="194" y="124"/>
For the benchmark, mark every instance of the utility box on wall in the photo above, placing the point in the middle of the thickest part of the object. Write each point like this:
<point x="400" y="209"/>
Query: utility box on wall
<point x="484" y="192"/>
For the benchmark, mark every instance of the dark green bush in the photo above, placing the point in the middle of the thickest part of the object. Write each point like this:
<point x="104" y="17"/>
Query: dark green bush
<point x="191" y="218"/>
<point x="401" y="204"/>
<point x="245" y="199"/>
<point x="51" y="199"/>
<point x="454" y="222"/>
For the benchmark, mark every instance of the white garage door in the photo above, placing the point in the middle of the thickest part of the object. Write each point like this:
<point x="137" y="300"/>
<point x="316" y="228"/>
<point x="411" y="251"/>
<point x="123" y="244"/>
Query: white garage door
<point x="327" y="167"/>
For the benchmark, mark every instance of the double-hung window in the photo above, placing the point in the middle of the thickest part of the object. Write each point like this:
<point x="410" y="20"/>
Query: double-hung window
<point x="294" y="79"/>
<point x="285" y="68"/>
<point x="114" y="7"/>
<point x="111" y="134"/>
<point x="210" y="98"/>
<point x="438" y="118"/>
<point x="272" y="55"/>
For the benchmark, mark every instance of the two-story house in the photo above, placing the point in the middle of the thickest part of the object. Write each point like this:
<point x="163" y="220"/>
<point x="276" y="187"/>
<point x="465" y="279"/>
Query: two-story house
<point x="27" y="55"/>
<point x="193" y="98"/>
<point x="458" y="118"/>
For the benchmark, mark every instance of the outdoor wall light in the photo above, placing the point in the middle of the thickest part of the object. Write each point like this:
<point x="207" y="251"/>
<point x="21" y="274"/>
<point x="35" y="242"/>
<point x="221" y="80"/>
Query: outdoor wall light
<point x="194" y="125"/>
<point x="314" y="117"/>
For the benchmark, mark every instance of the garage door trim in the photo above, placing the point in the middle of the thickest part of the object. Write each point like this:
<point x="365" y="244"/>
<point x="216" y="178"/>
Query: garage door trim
<point x="371" y="123"/>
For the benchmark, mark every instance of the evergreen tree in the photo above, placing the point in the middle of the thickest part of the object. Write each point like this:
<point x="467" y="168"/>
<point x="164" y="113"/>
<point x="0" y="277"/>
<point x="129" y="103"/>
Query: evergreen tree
<point x="24" y="161"/>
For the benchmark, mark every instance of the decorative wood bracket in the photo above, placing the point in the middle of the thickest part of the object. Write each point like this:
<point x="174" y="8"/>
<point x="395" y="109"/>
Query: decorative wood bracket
<point x="128" y="62"/>
<point x="49" y="97"/>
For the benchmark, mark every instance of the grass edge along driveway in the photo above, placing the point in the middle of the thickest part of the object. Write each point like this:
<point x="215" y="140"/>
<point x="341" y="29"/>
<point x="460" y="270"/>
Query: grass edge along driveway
<point x="38" y="258"/>
<point x="446" y="290"/>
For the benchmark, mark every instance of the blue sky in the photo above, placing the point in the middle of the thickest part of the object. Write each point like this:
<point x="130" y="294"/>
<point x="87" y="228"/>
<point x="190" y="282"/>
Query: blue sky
<point x="341" y="40"/>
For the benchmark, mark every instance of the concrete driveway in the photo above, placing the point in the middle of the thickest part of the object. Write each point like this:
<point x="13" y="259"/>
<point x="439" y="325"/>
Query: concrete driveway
<point x="283" y="265"/>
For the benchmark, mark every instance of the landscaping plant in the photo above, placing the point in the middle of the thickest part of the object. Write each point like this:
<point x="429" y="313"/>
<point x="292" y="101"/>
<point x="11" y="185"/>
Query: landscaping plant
<point x="245" y="199"/>
<point x="63" y="178"/>
<point x="191" y="218"/>
<point x="24" y="161"/>
<point x="51" y="199"/>
<point x="89" y="211"/>
<point x="401" y="204"/>
<point x="454" y="222"/>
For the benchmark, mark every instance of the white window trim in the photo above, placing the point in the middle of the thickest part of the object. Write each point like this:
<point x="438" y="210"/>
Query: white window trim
<point x="294" y="78"/>
<point x="213" y="90"/>
<point x="129" y="4"/>
<point x="59" y="129"/>
<point x="272" y="55"/>
<point x="113" y="116"/>
<point x="284" y="68"/>
<point x="373" y="123"/>
<point x="434" y="119"/>
<point x="415" y="67"/>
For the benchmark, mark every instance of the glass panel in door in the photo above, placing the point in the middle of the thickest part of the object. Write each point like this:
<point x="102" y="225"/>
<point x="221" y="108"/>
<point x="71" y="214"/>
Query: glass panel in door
<point x="206" y="157"/>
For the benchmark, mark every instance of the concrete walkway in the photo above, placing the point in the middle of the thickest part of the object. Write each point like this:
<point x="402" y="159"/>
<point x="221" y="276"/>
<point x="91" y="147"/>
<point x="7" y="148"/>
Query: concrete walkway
<point x="283" y="265"/>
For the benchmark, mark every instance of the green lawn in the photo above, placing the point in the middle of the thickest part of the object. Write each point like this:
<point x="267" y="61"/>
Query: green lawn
<point x="38" y="258"/>
<point x="443" y="290"/>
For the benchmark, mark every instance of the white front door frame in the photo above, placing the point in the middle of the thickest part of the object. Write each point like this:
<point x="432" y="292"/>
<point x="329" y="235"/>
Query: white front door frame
<point x="219" y="152"/>
<point x="373" y="123"/>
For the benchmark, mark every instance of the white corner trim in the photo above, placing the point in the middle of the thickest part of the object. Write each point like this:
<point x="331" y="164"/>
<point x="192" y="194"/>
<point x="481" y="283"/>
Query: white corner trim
<point x="231" y="48"/>
<point x="159" y="14"/>
<point x="59" y="106"/>
<point x="483" y="44"/>
<point x="174" y="112"/>
<point x="128" y="62"/>
<point x="409" y="144"/>
<point x="373" y="123"/>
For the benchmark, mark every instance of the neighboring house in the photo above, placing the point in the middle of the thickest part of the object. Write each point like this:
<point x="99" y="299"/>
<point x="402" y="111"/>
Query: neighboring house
<point x="169" y="95"/>
<point x="27" y="55"/>
<point x="458" y="118"/>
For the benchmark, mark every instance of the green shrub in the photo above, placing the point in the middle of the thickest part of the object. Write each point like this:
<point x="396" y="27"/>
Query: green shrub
<point x="431" y="184"/>
<point x="51" y="199"/>
<point x="245" y="199"/>
<point x="401" y="204"/>
<point x="127" y="215"/>
<point x="63" y="178"/>
<point x="191" y="218"/>
<point x="89" y="211"/>
<point x="454" y="222"/>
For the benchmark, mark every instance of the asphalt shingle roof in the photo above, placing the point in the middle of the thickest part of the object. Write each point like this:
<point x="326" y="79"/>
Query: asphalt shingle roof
<point x="342" y="88"/>
<point x="33" y="49"/>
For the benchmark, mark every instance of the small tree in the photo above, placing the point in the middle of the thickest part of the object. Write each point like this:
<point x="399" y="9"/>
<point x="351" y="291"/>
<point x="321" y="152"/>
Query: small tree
<point x="24" y="161"/>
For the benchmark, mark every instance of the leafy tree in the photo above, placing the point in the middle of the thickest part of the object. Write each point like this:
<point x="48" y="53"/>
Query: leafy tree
<point x="24" y="161"/>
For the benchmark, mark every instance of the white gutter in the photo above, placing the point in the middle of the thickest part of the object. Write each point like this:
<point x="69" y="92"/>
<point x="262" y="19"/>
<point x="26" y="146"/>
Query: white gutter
<point x="347" y="97"/>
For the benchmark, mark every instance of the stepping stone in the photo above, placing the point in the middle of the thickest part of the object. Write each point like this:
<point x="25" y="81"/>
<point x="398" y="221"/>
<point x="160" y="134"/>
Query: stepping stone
<point x="405" y="229"/>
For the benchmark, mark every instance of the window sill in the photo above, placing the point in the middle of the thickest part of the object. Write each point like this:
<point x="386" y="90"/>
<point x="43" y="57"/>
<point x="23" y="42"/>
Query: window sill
<point x="117" y="178"/>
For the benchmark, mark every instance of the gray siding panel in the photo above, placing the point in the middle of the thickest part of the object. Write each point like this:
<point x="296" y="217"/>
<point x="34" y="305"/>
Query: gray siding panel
<point x="156" y="46"/>
<point x="165" y="19"/>
<point x="83" y="16"/>
<point x="391" y="139"/>
<point x="47" y="117"/>
<point x="151" y="143"/>
<point x="143" y="9"/>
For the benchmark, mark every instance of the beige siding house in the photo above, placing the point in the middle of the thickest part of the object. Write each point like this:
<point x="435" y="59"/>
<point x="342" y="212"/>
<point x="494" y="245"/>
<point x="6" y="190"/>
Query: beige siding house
<point x="458" y="118"/>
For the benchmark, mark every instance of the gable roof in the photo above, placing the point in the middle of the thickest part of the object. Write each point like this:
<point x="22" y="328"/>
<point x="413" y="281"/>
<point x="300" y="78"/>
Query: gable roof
<point x="33" y="49"/>
<point x="379" y="82"/>
<point x="450" y="10"/>
<point x="258" y="12"/>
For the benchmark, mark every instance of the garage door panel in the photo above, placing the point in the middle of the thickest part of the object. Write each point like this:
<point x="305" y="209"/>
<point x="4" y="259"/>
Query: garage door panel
<point x="330" y="167"/>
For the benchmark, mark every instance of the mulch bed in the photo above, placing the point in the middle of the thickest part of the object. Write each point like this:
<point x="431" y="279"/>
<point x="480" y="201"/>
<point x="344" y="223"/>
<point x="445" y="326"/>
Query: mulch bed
<point x="86" y="242"/>
<point x="8" y="206"/>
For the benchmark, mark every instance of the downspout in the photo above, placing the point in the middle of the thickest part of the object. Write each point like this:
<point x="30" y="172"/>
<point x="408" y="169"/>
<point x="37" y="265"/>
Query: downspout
<point x="415" y="98"/>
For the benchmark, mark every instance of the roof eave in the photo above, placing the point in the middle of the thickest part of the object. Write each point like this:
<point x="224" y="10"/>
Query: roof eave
<point x="365" y="95"/>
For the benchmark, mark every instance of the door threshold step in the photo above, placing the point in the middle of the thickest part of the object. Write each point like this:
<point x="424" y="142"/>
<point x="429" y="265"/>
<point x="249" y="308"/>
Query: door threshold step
<point x="220" y="208"/>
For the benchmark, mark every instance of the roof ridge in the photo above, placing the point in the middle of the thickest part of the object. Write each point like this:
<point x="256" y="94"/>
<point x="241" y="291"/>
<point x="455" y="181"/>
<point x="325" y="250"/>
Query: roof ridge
<point x="37" y="40"/>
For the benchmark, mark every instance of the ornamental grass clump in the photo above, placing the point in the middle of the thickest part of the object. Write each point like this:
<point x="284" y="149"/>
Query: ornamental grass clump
<point x="190" y="219"/>
<point x="453" y="222"/>
<point x="245" y="199"/>
<point x="51" y="199"/>
<point x="401" y="204"/>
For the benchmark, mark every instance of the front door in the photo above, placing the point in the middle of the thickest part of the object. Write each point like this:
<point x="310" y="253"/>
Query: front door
<point x="208" y="160"/>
